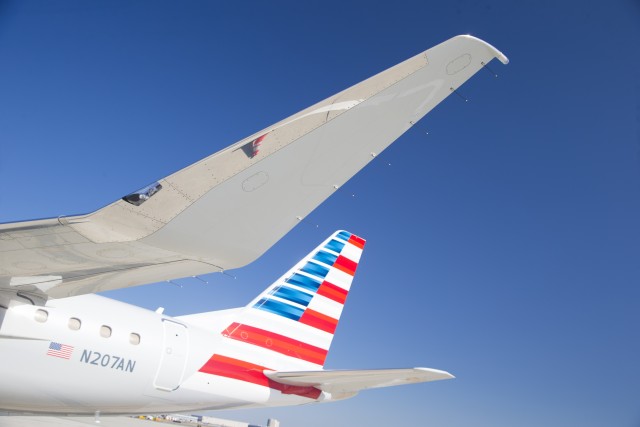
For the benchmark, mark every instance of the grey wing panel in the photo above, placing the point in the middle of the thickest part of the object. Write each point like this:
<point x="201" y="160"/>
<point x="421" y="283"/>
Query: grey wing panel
<point x="229" y="208"/>
<point x="240" y="218"/>
<point x="44" y="258"/>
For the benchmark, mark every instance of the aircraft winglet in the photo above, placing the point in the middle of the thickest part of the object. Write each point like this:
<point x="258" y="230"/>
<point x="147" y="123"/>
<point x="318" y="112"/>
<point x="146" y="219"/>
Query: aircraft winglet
<point x="496" y="53"/>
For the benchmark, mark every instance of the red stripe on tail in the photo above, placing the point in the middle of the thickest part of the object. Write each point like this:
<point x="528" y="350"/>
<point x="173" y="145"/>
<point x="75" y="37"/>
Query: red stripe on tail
<point x="333" y="292"/>
<point x="357" y="241"/>
<point x="346" y="265"/>
<point x="276" y="342"/>
<point x="319" y="321"/>
<point x="248" y="372"/>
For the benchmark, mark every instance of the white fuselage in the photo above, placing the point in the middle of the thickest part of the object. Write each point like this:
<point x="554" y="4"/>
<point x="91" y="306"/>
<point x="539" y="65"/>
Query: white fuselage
<point x="113" y="357"/>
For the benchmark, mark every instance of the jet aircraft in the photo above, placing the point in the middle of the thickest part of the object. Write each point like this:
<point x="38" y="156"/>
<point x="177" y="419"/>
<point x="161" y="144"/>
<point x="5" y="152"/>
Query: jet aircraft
<point x="66" y="350"/>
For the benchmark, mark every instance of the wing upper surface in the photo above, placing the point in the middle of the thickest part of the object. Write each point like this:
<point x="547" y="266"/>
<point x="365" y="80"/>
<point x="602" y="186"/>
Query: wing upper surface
<point x="348" y="382"/>
<point x="229" y="208"/>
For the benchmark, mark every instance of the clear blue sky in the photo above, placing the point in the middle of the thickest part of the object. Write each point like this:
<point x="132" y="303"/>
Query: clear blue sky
<point x="503" y="245"/>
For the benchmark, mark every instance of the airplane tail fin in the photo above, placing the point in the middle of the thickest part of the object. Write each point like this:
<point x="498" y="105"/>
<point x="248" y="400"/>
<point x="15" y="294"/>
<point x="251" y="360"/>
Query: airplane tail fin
<point x="281" y="339"/>
<point x="290" y="325"/>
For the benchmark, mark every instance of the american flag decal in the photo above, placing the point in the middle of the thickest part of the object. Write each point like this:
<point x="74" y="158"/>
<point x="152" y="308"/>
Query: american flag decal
<point x="62" y="351"/>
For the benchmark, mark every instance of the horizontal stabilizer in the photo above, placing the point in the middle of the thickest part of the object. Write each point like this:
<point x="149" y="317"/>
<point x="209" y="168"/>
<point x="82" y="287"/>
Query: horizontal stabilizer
<point x="353" y="381"/>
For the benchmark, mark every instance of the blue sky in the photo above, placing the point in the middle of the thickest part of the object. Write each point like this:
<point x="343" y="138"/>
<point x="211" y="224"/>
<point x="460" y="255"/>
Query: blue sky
<point x="503" y="234"/>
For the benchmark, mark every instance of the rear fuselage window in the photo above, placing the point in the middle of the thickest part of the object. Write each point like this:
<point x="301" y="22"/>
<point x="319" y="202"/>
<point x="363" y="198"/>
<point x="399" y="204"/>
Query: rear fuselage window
<point x="134" y="338"/>
<point x="74" y="324"/>
<point x="41" y="315"/>
<point x="105" y="331"/>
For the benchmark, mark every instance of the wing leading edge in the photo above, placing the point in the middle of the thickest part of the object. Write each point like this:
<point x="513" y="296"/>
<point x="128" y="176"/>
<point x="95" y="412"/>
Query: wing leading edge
<point x="185" y="224"/>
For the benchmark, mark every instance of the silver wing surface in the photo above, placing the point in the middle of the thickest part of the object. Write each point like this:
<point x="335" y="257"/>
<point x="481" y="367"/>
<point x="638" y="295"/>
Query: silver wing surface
<point x="226" y="210"/>
<point x="349" y="383"/>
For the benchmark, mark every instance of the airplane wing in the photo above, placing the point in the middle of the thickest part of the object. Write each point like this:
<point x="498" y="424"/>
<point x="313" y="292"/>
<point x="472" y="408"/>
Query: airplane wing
<point x="55" y="421"/>
<point x="349" y="383"/>
<point x="226" y="210"/>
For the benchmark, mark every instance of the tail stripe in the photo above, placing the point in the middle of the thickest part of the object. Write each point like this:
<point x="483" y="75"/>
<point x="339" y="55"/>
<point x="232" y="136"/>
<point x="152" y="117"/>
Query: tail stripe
<point x="252" y="373"/>
<point x="331" y="291"/>
<point x="344" y="235"/>
<point x="334" y="245"/>
<point x="304" y="282"/>
<point x="319" y="321"/>
<point x="325" y="257"/>
<point x="293" y="295"/>
<point x="280" y="308"/>
<point x="346" y="265"/>
<point x="316" y="270"/>
<point x="357" y="241"/>
<point x="276" y="342"/>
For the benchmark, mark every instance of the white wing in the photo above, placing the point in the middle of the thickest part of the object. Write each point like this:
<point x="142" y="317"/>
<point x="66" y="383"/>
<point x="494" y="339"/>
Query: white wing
<point x="229" y="208"/>
<point x="348" y="383"/>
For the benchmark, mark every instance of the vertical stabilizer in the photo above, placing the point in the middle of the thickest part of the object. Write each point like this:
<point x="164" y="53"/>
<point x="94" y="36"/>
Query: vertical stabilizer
<point x="290" y="325"/>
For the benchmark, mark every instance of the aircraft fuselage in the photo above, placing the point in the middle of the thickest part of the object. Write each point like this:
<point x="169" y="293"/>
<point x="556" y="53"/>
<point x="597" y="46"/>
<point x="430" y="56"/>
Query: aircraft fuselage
<point x="90" y="353"/>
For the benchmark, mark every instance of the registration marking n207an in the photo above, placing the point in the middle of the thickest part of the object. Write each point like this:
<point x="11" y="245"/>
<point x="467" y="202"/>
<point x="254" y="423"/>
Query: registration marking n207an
<point x="105" y="360"/>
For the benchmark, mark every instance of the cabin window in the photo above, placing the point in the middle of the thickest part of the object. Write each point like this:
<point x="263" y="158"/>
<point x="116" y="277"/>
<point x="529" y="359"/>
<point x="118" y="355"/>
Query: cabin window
<point x="134" y="338"/>
<point x="105" y="331"/>
<point x="74" y="324"/>
<point x="41" y="315"/>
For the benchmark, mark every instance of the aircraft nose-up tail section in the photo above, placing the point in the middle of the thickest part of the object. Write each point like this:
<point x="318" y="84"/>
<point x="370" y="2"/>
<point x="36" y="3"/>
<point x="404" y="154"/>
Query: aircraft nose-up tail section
<point x="290" y="326"/>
